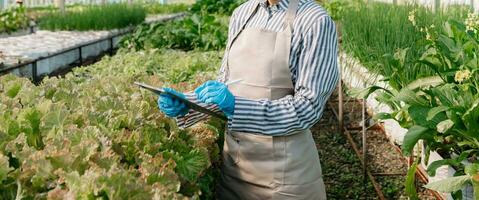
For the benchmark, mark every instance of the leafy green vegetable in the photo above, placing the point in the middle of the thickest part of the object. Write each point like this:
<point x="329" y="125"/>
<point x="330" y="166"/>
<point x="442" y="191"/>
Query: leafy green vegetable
<point x="434" y="85"/>
<point x="14" y="90"/>
<point x="195" y="31"/>
<point x="93" y="134"/>
<point x="450" y="184"/>
<point x="431" y="169"/>
<point x="13" y="19"/>
<point x="4" y="167"/>
<point x="412" y="136"/>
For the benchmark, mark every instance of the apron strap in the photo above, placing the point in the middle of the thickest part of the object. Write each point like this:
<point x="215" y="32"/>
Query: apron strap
<point x="287" y="22"/>
<point x="252" y="12"/>
<point x="230" y="43"/>
<point x="290" y="15"/>
<point x="287" y="25"/>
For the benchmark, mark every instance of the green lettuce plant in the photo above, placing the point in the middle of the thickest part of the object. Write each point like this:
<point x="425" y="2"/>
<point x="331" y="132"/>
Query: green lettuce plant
<point x="94" y="135"/>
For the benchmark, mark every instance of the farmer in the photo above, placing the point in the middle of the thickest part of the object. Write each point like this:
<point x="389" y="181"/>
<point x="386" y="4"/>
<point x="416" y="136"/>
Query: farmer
<point x="284" y="53"/>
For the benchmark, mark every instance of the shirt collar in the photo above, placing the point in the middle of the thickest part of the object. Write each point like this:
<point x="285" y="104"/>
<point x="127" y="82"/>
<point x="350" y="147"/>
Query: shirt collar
<point x="282" y="4"/>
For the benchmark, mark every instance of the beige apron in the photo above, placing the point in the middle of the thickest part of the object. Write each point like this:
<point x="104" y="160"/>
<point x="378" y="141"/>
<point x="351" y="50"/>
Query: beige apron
<point x="258" y="166"/>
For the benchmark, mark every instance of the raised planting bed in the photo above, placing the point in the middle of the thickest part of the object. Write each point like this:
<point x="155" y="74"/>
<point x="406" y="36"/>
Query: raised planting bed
<point x="21" y="32"/>
<point x="46" y="52"/>
<point x="94" y="17"/>
<point x="92" y="133"/>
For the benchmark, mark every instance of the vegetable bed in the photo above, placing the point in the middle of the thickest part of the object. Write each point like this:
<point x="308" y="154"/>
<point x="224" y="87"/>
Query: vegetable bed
<point x="93" y="134"/>
<point x="103" y="17"/>
<point x="430" y="73"/>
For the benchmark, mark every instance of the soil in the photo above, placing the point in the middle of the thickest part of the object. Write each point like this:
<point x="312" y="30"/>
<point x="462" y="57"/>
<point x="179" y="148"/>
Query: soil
<point x="342" y="168"/>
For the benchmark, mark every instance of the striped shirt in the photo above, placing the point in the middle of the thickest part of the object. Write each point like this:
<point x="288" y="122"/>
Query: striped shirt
<point x="313" y="65"/>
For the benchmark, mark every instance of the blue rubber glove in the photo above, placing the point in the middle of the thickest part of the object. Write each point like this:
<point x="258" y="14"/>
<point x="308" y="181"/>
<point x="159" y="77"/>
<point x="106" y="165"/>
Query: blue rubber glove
<point x="214" y="92"/>
<point x="171" y="106"/>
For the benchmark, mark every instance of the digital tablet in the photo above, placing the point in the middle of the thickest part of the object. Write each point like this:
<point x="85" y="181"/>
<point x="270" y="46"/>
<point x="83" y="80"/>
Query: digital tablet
<point x="188" y="103"/>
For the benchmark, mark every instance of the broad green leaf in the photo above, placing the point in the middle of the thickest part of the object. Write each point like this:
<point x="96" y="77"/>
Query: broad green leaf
<point x="431" y="60"/>
<point x="450" y="184"/>
<point x="410" y="184"/>
<point x="413" y="135"/>
<point x="449" y="43"/>
<point x="447" y="95"/>
<point x="457" y="195"/>
<point x="448" y="30"/>
<point x="471" y="117"/>
<point x="419" y="115"/>
<point x="436" y="110"/>
<point x="383" y="116"/>
<point x="444" y="126"/>
<point x="432" y="168"/>
<point x="457" y="25"/>
<point x="387" y="99"/>
<point x="472" y="169"/>
<point x="410" y="97"/>
<point x="363" y="93"/>
<point x="431" y="81"/>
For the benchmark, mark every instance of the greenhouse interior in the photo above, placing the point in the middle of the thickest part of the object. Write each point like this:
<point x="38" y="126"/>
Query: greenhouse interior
<point x="169" y="99"/>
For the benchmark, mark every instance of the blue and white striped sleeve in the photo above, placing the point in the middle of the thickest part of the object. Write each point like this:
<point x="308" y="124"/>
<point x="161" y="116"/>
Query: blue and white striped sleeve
<point x="317" y="77"/>
<point x="193" y="116"/>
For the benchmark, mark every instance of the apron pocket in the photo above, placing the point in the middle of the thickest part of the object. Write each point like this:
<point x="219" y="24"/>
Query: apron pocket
<point x="232" y="148"/>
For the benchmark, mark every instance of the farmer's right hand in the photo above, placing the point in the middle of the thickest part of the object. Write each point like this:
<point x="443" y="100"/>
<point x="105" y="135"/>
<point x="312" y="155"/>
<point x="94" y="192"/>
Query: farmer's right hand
<point x="171" y="106"/>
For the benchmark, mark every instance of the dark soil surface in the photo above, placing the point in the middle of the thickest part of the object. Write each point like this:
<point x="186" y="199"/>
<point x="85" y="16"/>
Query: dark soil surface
<point x="342" y="168"/>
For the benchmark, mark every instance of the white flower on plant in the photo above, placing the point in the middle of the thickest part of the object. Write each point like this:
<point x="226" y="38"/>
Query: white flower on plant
<point x="472" y="22"/>
<point x="428" y="35"/>
<point x="412" y="17"/>
<point x="462" y="76"/>
<point x="444" y="126"/>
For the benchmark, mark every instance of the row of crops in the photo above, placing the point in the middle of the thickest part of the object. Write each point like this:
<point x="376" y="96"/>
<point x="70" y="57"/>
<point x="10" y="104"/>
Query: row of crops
<point x="83" y="17"/>
<point x="93" y="135"/>
<point x="430" y="64"/>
